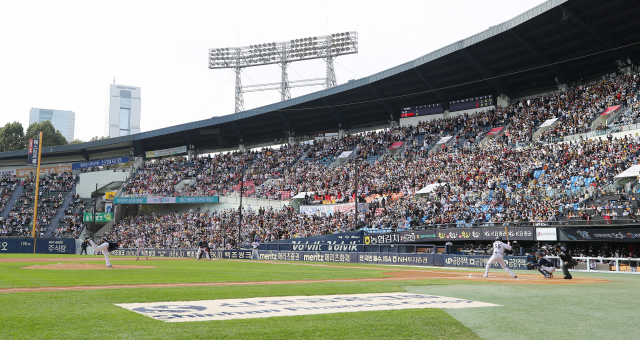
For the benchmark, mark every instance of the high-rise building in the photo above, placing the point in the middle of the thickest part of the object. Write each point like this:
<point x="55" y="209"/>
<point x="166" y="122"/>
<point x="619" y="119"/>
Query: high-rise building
<point x="63" y="121"/>
<point x="123" y="117"/>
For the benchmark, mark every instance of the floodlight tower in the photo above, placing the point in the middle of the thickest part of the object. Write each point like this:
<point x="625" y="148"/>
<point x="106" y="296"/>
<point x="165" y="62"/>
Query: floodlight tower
<point x="326" y="47"/>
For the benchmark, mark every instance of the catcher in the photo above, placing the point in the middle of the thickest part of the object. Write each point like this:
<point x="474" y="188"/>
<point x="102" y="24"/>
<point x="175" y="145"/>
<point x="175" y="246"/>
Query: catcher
<point x="544" y="266"/>
<point x="203" y="247"/>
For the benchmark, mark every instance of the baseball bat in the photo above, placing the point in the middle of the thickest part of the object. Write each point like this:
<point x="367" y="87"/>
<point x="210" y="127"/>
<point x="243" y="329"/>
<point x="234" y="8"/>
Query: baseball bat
<point x="506" y="232"/>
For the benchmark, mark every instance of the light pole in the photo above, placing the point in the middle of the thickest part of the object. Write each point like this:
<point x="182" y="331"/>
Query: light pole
<point x="240" y="208"/>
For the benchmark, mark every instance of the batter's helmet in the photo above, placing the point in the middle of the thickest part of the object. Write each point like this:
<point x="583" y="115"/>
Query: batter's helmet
<point x="499" y="238"/>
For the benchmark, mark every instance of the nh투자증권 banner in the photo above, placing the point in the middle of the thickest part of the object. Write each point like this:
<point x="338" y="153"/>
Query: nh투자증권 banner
<point x="614" y="235"/>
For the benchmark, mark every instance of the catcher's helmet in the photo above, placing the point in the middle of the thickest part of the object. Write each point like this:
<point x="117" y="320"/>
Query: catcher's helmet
<point x="540" y="253"/>
<point x="499" y="238"/>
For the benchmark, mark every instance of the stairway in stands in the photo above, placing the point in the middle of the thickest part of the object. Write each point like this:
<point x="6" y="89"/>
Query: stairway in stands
<point x="65" y="205"/>
<point x="12" y="201"/>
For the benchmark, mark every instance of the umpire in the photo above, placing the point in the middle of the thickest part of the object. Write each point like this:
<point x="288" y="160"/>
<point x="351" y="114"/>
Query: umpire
<point x="567" y="261"/>
<point x="84" y="246"/>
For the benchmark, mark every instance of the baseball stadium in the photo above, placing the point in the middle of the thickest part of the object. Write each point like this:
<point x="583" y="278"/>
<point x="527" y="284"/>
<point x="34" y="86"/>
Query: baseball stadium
<point x="488" y="189"/>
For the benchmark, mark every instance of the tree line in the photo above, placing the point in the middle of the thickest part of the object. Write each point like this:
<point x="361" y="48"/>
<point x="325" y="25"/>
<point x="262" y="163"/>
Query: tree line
<point x="13" y="136"/>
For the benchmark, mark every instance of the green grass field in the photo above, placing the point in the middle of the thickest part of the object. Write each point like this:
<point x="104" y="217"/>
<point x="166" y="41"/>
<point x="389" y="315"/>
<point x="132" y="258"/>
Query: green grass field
<point x="586" y="311"/>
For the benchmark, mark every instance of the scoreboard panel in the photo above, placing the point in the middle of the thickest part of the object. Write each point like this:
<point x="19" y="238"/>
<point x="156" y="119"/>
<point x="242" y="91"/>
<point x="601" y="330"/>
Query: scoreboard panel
<point x="471" y="103"/>
<point x="421" y="110"/>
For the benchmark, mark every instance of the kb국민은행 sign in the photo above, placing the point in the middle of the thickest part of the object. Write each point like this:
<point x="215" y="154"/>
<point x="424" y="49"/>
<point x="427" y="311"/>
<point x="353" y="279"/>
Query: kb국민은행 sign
<point x="264" y="307"/>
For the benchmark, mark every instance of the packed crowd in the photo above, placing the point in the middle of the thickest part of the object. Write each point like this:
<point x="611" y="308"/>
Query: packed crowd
<point x="52" y="191"/>
<point x="7" y="186"/>
<point x="185" y="230"/>
<point x="470" y="183"/>
<point x="71" y="224"/>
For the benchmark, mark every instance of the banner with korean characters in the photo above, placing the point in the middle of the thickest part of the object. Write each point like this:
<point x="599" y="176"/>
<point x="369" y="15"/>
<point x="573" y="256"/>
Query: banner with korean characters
<point x="101" y="217"/>
<point x="42" y="245"/>
<point x="44" y="170"/>
<point x="165" y="200"/>
<point x="599" y="235"/>
<point x="479" y="261"/>
<point x="459" y="234"/>
<point x="515" y="234"/>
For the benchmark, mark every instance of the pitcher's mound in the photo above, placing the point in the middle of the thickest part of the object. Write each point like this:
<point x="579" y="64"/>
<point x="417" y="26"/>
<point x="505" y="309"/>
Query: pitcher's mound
<point x="83" y="266"/>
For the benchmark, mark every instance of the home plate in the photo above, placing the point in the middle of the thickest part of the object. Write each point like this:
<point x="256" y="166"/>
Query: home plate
<point x="264" y="307"/>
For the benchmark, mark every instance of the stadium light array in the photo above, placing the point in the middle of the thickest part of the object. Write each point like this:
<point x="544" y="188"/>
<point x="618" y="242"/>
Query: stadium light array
<point x="326" y="47"/>
<point x="319" y="47"/>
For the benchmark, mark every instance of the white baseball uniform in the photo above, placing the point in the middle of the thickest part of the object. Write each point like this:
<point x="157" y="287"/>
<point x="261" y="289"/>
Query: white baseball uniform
<point x="105" y="250"/>
<point x="498" y="256"/>
<point x="255" y="245"/>
<point x="140" y="244"/>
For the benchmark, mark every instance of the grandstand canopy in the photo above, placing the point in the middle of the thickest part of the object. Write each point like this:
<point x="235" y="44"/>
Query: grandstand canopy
<point x="557" y="42"/>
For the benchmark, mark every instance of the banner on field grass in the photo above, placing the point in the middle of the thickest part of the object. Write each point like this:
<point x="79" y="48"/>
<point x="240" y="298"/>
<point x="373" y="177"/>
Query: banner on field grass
<point x="262" y="307"/>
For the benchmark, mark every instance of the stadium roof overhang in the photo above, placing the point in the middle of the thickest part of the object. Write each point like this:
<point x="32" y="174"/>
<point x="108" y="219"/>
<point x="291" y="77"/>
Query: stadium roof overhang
<point x="557" y="42"/>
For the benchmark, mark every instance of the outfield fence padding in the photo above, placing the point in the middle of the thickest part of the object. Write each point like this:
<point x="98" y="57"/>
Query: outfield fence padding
<point x="42" y="245"/>
<point x="440" y="260"/>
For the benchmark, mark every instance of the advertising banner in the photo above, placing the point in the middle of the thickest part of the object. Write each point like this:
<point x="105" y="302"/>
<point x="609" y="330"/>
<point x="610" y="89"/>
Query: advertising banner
<point x="332" y="208"/>
<point x="314" y="243"/>
<point x="614" y="235"/>
<point x="419" y="259"/>
<point x="101" y="217"/>
<point x="55" y="246"/>
<point x="459" y="234"/>
<point x="130" y="200"/>
<point x="166" y="152"/>
<point x="422" y="236"/>
<point x="100" y="162"/>
<point x="44" y="170"/>
<point x="165" y="200"/>
<point x="197" y="199"/>
<point x="42" y="245"/>
<point x="34" y="146"/>
<point x="546" y="234"/>
<point x="518" y="234"/>
<point x="161" y="200"/>
<point x="513" y="262"/>
<point x="8" y="173"/>
<point x="109" y="195"/>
